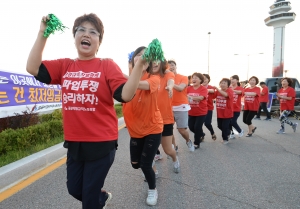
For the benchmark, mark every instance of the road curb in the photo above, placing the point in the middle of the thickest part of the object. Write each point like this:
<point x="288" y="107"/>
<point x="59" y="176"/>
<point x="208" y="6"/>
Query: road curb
<point x="16" y="172"/>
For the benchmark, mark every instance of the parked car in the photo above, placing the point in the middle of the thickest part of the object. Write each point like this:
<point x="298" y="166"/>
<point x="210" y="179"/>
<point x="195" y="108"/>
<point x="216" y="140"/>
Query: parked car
<point x="274" y="84"/>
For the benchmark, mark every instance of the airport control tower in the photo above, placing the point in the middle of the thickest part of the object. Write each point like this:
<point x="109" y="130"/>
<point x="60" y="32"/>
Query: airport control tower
<point x="278" y="19"/>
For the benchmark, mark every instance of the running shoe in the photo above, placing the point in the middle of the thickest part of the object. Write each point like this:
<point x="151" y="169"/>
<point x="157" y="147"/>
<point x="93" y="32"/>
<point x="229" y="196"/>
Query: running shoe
<point x="280" y="131"/>
<point x="176" y="166"/>
<point x="225" y="142"/>
<point x="231" y="136"/>
<point x="158" y="157"/>
<point x="256" y="118"/>
<point x="294" y="126"/>
<point x="108" y="198"/>
<point x="152" y="197"/>
<point x="241" y="134"/>
<point x="190" y="146"/>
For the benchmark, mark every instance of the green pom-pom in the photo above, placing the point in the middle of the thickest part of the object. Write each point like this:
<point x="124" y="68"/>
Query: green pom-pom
<point x="154" y="52"/>
<point x="53" y="24"/>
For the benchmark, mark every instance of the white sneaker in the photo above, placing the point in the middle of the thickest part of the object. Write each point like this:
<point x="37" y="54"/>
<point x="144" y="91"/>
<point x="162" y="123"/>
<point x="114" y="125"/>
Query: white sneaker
<point x="241" y="134"/>
<point x="152" y="197"/>
<point x="231" y="136"/>
<point x="295" y="127"/>
<point x="190" y="146"/>
<point x="225" y="142"/>
<point x="158" y="157"/>
<point x="109" y="196"/>
<point x="176" y="166"/>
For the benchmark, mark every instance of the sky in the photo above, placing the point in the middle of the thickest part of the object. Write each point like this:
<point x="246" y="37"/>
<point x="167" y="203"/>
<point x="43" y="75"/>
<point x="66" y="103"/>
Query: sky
<point x="182" y="26"/>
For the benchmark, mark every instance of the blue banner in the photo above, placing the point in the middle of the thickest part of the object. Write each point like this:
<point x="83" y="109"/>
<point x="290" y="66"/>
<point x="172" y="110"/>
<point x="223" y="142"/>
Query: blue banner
<point x="19" y="92"/>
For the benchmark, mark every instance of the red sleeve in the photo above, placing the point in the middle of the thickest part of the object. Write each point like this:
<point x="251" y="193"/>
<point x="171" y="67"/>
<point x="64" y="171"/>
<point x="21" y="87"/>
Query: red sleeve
<point x="243" y="90"/>
<point x="257" y="91"/>
<point x="114" y="75"/>
<point x="265" y="90"/>
<point x="204" y="92"/>
<point x="230" y="93"/>
<point x="56" y="68"/>
<point x="291" y="93"/>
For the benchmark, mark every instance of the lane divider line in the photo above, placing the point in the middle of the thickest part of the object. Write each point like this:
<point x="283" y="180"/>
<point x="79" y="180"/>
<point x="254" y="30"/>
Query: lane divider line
<point x="23" y="184"/>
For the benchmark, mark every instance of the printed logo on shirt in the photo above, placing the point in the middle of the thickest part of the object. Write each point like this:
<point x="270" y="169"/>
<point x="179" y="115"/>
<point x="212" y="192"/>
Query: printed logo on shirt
<point x="221" y="102"/>
<point x="82" y="92"/>
<point x="249" y="99"/>
<point x="283" y="100"/>
<point x="81" y="74"/>
<point x="194" y="103"/>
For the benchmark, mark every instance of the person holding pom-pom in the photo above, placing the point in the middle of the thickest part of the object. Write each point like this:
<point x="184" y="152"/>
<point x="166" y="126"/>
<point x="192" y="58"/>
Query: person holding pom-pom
<point x="88" y="85"/>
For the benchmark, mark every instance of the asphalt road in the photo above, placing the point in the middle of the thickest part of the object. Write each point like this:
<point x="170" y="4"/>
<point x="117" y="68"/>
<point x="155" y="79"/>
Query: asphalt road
<point x="258" y="172"/>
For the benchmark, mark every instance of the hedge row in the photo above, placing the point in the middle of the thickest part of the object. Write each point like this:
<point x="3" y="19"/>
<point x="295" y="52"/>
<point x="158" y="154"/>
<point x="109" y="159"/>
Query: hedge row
<point x="49" y="126"/>
<point x="24" y="138"/>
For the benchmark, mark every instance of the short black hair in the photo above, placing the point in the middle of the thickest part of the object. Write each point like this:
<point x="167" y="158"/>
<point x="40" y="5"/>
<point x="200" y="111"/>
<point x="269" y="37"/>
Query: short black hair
<point x="226" y="80"/>
<point x="172" y="62"/>
<point x="235" y="77"/>
<point x="262" y="83"/>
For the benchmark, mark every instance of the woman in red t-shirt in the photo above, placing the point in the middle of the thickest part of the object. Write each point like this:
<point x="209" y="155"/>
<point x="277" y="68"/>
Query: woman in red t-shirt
<point x="251" y="101"/>
<point x="88" y="85"/>
<point x="224" y="104"/>
<point x="237" y="97"/>
<point x="286" y="95"/>
<point x="197" y="98"/>
<point x="210" y="105"/>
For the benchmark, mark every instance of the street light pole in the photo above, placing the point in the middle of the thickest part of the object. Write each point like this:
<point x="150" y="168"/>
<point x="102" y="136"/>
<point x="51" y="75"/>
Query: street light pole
<point x="208" y="52"/>
<point x="248" y="67"/>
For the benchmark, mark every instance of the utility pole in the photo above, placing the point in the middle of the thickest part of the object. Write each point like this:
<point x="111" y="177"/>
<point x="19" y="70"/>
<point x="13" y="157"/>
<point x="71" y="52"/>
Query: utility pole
<point x="208" y="52"/>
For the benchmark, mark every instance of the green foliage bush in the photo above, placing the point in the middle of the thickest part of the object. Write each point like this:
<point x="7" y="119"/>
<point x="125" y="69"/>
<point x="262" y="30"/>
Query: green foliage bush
<point x="118" y="108"/>
<point x="41" y="129"/>
<point x="24" y="138"/>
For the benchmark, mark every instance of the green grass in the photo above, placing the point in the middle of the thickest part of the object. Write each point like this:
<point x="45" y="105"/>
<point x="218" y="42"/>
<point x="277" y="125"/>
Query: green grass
<point x="17" y="155"/>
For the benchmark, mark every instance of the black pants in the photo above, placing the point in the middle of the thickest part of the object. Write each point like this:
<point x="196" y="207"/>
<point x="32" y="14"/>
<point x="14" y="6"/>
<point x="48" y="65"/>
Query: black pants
<point x="248" y="116"/>
<point x="85" y="180"/>
<point x="208" y="120"/>
<point x="196" y="126"/>
<point x="233" y="122"/>
<point x="263" y="105"/>
<point x="223" y="125"/>
<point x="142" y="151"/>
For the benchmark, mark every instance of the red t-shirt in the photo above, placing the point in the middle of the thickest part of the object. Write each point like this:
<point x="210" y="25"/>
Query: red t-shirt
<point x="265" y="97"/>
<point x="252" y="102"/>
<point x="141" y="114"/>
<point x="198" y="108"/>
<point x="237" y="99"/>
<point x="164" y="102"/>
<point x="224" y="104"/>
<point x="287" y="104"/>
<point x="87" y="97"/>
<point x="210" y="97"/>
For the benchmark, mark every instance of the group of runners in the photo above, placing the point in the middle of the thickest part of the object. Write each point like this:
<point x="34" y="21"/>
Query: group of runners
<point x="154" y="97"/>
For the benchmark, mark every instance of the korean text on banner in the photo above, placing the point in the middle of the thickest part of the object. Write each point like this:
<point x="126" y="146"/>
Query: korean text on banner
<point x="19" y="93"/>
